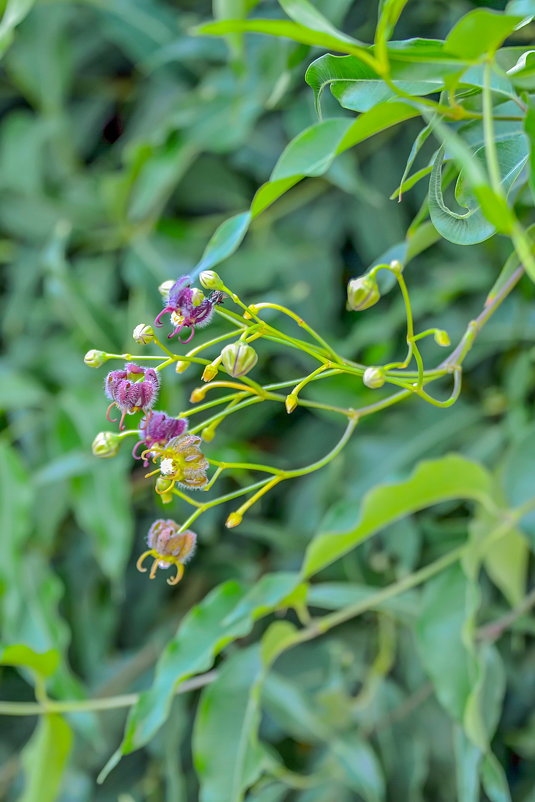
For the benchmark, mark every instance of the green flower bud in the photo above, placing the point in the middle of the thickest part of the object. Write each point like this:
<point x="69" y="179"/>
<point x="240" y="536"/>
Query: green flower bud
<point x="209" y="373"/>
<point x="234" y="519"/>
<point x="143" y="334"/>
<point x="396" y="265"/>
<point x="164" y="288"/>
<point x="374" y="378"/>
<point x="182" y="366"/>
<point x="442" y="338"/>
<point x="94" y="359"/>
<point x="362" y="293"/>
<point x="290" y="403"/>
<point x="211" y="281"/>
<point x="106" y="444"/>
<point x="238" y="359"/>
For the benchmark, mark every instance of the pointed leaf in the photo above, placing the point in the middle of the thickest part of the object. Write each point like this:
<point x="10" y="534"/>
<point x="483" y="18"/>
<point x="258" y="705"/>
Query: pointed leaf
<point x="434" y="481"/>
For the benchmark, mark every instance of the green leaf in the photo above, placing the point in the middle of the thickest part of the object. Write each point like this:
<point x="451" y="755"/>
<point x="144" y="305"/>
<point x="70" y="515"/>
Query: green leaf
<point x="311" y="152"/>
<point x="440" y="641"/>
<point x="276" y="639"/>
<point x="522" y="74"/>
<point x="226" y="753"/>
<point x="471" y="226"/>
<point x="467" y="762"/>
<point x="479" y="32"/>
<point x="494" y="780"/>
<point x="44" y="759"/>
<point x="225" y="241"/>
<point x="506" y="562"/>
<point x="227" y="613"/>
<point x="357" y="86"/>
<point x="432" y="482"/>
<point x="304" y="13"/>
<point x="516" y="475"/>
<point x="362" y="771"/>
<point x="14" y="12"/>
<point x="288" y="30"/>
<point x="529" y="127"/>
<point x="42" y="663"/>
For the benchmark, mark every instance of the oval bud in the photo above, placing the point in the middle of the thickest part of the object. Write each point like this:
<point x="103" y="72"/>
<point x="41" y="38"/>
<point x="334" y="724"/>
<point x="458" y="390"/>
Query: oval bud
<point x="163" y="486"/>
<point x="181" y="366"/>
<point x="442" y="338"/>
<point x="290" y="403"/>
<point x="106" y="444"/>
<point x="164" y="288"/>
<point x="374" y="378"/>
<point x="238" y="359"/>
<point x="209" y="373"/>
<point x="234" y="519"/>
<point x="143" y="334"/>
<point x="396" y="266"/>
<point x="210" y="280"/>
<point x="362" y="293"/>
<point x="94" y="359"/>
<point x="197" y="395"/>
<point x="208" y="433"/>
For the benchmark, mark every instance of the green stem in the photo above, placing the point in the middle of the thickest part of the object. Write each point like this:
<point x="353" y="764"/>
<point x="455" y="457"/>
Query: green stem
<point x="488" y="132"/>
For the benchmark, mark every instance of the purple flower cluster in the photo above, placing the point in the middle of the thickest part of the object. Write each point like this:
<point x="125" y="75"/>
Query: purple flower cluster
<point x="132" y="389"/>
<point x="188" y="307"/>
<point x="156" y="429"/>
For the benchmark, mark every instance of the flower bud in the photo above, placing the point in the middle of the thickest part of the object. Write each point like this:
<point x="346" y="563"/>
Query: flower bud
<point x="208" y="433"/>
<point x="290" y="403"/>
<point x="181" y="366"/>
<point x="396" y="266"/>
<point x="209" y="373"/>
<point x="234" y="519"/>
<point x="166" y="498"/>
<point x="197" y="395"/>
<point x="362" y="293"/>
<point x="442" y="338"/>
<point x="238" y="359"/>
<point x="374" y="378"/>
<point x="211" y="281"/>
<point x="143" y="334"/>
<point x="94" y="359"/>
<point x="164" y="288"/>
<point x="106" y="444"/>
<point x="163" y="486"/>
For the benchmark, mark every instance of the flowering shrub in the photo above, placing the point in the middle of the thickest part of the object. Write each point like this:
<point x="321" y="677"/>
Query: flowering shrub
<point x="334" y="432"/>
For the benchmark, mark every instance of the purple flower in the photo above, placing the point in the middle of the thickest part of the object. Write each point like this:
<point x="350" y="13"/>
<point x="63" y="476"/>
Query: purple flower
<point x="131" y="390"/>
<point x="188" y="307"/>
<point x="156" y="428"/>
<point x="168" y="547"/>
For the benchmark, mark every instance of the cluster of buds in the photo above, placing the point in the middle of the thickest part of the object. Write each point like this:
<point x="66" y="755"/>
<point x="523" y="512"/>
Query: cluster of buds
<point x="188" y="307"/>
<point x="167" y="442"/>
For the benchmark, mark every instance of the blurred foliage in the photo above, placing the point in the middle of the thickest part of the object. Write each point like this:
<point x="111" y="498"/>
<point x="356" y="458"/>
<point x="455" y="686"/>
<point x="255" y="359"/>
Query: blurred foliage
<point x="124" y="142"/>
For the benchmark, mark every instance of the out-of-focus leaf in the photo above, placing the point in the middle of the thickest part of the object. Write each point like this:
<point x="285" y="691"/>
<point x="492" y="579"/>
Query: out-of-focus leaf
<point x="226" y="752"/>
<point x="14" y="12"/>
<point x="289" y="30"/>
<point x="479" y="32"/>
<point x="42" y="663"/>
<point x="227" y="613"/>
<point x="516" y="478"/>
<point x="506" y="562"/>
<point x="45" y="759"/>
<point x="432" y="482"/>
<point x="439" y="635"/>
